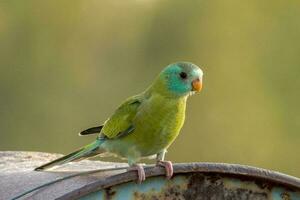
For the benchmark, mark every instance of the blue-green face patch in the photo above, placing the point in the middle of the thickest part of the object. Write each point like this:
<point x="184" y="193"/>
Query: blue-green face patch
<point x="178" y="84"/>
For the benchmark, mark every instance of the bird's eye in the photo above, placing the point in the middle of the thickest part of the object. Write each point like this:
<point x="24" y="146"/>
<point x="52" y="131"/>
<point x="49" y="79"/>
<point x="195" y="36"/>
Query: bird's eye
<point x="183" y="75"/>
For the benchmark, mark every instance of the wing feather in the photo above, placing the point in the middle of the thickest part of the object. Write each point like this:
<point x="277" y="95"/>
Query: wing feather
<point x="121" y="122"/>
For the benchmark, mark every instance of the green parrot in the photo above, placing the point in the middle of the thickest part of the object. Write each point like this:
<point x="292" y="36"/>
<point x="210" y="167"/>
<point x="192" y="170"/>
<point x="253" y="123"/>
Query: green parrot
<point x="146" y="124"/>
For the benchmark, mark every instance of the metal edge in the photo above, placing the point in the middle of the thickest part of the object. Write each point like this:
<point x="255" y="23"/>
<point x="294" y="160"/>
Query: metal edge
<point x="180" y="168"/>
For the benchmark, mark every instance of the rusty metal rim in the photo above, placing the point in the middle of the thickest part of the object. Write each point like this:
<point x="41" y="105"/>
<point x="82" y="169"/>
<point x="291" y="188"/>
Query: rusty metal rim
<point x="219" y="168"/>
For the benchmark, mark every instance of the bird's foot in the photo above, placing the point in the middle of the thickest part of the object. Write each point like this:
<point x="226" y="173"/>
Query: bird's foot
<point x="140" y="171"/>
<point x="168" y="166"/>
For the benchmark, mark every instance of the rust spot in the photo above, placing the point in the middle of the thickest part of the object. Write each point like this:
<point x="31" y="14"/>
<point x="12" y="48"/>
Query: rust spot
<point x="263" y="185"/>
<point x="201" y="187"/>
<point x="109" y="193"/>
<point x="173" y="192"/>
<point x="285" y="196"/>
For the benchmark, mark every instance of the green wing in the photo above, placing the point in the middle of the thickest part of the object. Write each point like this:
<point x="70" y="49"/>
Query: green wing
<point x="120" y="123"/>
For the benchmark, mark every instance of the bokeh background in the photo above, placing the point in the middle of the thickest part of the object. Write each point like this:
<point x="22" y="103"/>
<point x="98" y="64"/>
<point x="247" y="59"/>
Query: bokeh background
<point x="66" y="65"/>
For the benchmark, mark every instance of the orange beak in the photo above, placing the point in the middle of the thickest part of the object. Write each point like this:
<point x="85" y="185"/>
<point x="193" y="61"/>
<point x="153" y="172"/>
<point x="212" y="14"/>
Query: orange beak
<point x="197" y="85"/>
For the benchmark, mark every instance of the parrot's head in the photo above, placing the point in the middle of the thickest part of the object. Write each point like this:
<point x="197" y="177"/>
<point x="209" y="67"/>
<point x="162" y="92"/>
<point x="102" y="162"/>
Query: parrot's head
<point x="182" y="78"/>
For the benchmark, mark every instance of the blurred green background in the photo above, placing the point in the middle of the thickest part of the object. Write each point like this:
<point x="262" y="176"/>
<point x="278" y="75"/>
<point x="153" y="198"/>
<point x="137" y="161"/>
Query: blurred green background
<point x="66" y="65"/>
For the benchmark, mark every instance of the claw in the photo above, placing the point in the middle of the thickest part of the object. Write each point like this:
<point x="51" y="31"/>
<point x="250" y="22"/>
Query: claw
<point x="140" y="171"/>
<point x="168" y="166"/>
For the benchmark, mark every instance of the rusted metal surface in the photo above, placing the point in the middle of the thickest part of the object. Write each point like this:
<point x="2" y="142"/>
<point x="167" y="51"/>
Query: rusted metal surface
<point x="196" y="181"/>
<point x="197" y="186"/>
<point x="191" y="181"/>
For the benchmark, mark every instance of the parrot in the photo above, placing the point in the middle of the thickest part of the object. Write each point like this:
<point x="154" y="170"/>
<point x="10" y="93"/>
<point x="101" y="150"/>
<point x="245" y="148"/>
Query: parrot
<point x="144" y="125"/>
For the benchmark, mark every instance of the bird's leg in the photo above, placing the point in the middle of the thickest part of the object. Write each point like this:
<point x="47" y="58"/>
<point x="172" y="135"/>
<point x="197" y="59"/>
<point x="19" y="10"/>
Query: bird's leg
<point x="140" y="171"/>
<point x="166" y="164"/>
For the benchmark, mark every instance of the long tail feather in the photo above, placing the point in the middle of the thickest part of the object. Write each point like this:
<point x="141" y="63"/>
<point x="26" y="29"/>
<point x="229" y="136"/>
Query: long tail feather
<point x="92" y="130"/>
<point x="87" y="151"/>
